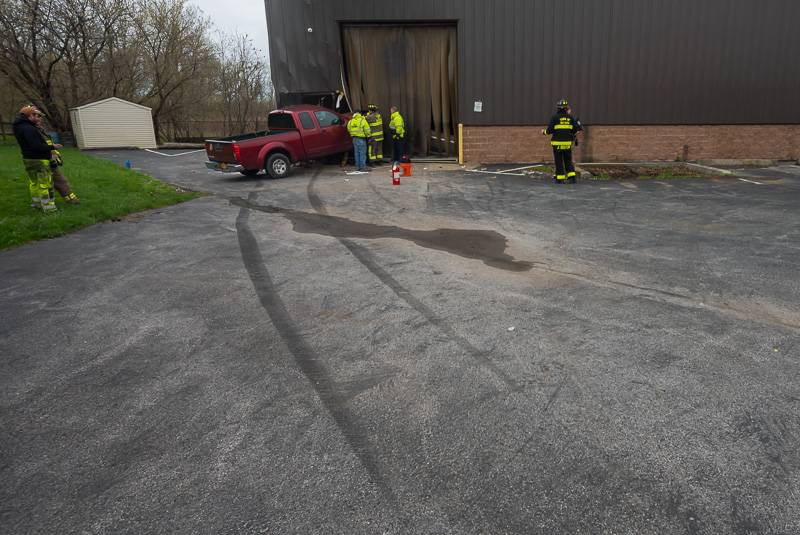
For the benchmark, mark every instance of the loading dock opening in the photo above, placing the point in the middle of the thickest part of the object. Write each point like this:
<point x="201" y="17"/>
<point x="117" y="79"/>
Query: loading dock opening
<point x="412" y="66"/>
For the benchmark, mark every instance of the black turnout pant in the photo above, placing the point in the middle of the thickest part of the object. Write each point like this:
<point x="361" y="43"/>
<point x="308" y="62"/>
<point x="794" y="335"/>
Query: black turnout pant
<point x="564" y="166"/>
<point x="398" y="149"/>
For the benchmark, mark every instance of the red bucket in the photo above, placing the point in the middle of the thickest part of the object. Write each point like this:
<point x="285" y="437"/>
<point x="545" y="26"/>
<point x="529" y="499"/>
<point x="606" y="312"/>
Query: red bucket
<point x="406" y="168"/>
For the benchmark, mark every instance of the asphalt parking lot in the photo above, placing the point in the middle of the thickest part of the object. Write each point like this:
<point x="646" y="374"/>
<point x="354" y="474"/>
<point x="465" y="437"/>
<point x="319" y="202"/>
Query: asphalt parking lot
<point x="464" y="353"/>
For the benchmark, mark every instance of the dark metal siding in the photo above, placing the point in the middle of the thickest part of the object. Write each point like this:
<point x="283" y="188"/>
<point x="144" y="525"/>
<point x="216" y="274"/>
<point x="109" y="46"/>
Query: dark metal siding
<point x="618" y="61"/>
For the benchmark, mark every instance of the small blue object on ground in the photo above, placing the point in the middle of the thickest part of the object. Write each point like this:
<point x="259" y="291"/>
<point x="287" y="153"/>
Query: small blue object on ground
<point x="127" y="164"/>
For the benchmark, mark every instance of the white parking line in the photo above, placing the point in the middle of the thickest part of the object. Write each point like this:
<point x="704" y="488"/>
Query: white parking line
<point x="751" y="181"/>
<point x="171" y="155"/>
<point x="708" y="168"/>
<point x="494" y="172"/>
<point x="520" y="168"/>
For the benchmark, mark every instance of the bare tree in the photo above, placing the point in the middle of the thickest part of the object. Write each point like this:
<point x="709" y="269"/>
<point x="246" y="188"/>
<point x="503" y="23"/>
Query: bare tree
<point x="57" y="53"/>
<point x="11" y="99"/>
<point x="174" y="47"/>
<point x="31" y="49"/>
<point x="242" y="83"/>
<point x="90" y="29"/>
<point x="64" y="53"/>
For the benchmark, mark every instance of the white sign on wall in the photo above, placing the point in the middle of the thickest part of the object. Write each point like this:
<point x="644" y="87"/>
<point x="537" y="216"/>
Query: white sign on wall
<point x="478" y="106"/>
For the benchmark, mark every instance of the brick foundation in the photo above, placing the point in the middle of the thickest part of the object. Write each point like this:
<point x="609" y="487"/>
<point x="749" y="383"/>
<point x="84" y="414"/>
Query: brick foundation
<point x="496" y="144"/>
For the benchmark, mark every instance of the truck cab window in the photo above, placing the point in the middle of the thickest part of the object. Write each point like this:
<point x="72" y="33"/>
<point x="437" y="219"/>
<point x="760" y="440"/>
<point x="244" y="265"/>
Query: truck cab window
<point x="280" y="121"/>
<point x="305" y="120"/>
<point x="326" y="118"/>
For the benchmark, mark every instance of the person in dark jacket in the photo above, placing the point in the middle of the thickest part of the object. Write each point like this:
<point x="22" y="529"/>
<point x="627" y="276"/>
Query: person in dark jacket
<point x="563" y="128"/>
<point x="60" y="182"/>
<point x="36" y="155"/>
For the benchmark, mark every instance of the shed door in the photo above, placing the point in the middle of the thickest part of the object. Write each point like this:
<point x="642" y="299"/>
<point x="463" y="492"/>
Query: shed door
<point x="414" y="68"/>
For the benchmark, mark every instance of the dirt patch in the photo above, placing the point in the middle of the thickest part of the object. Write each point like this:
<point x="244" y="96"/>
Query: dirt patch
<point x="643" y="171"/>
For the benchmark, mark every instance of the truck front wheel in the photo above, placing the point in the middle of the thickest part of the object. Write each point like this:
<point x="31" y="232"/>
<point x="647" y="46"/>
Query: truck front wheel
<point x="278" y="165"/>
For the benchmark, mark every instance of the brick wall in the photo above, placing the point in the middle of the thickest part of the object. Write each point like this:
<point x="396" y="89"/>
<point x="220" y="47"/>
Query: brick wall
<point x="496" y="144"/>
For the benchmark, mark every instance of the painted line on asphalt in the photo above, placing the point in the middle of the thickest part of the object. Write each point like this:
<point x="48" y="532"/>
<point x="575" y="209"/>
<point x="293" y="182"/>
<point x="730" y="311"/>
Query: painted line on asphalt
<point x="751" y="181"/>
<point x="494" y="172"/>
<point x="520" y="168"/>
<point x="709" y="168"/>
<point x="172" y="155"/>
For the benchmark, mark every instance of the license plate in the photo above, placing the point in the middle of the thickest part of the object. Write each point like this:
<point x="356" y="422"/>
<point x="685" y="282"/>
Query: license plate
<point x="223" y="166"/>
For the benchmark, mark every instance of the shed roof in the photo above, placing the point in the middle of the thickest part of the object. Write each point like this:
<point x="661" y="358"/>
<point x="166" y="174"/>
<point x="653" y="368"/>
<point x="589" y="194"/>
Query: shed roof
<point x="89" y="105"/>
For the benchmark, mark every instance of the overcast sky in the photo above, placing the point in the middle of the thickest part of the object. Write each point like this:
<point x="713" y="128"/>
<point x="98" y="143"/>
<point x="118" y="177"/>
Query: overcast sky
<point x="244" y="16"/>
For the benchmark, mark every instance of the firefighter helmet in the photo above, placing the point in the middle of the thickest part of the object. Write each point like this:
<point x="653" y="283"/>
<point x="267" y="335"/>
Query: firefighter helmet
<point x="372" y="107"/>
<point x="562" y="104"/>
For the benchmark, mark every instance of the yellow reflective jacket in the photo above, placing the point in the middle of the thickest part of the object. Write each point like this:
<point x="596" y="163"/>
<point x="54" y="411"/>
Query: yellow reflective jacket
<point x="397" y="126"/>
<point x="358" y="126"/>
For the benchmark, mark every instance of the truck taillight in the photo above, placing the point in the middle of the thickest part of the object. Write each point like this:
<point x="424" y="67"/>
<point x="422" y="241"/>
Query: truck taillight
<point x="237" y="151"/>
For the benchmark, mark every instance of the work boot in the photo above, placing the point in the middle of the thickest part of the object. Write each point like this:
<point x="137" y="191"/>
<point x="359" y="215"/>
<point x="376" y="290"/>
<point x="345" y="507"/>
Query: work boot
<point x="49" y="207"/>
<point x="71" y="198"/>
<point x="571" y="180"/>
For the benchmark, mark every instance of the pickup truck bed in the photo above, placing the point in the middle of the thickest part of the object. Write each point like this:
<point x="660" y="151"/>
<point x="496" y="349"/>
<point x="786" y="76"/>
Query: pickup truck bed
<point x="221" y="150"/>
<point x="294" y="134"/>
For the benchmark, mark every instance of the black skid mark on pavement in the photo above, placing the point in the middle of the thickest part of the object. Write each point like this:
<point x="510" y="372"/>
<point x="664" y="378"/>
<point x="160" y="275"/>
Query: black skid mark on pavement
<point x="305" y="357"/>
<point x="364" y="256"/>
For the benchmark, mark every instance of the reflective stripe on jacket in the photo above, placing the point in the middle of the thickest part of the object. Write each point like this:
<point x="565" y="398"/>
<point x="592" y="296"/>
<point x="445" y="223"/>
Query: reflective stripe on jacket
<point x="563" y="128"/>
<point x="376" y="125"/>
<point x="358" y="126"/>
<point x="397" y="126"/>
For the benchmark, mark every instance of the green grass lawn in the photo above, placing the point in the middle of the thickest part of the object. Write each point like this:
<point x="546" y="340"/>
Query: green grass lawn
<point x="106" y="190"/>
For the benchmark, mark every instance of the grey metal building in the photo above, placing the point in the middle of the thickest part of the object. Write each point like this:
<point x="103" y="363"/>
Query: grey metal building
<point x="620" y="62"/>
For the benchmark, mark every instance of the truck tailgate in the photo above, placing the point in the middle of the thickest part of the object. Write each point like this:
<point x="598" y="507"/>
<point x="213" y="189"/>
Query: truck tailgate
<point x="220" y="151"/>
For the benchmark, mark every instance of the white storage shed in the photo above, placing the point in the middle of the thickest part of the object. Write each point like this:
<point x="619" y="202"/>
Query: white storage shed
<point x="111" y="123"/>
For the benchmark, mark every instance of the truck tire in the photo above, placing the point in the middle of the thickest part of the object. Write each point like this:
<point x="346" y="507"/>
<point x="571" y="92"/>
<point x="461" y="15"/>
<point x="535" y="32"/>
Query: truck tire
<point x="278" y="165"/>
<point x="250" y="172"/>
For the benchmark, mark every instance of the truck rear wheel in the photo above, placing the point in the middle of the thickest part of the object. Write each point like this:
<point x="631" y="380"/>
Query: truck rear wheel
<point x="278" y="165"/>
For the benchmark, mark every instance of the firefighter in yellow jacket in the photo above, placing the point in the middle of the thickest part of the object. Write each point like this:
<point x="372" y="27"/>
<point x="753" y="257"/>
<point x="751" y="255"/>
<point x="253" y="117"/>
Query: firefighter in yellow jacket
<point x="398" y="128"/>
<point x="376" y="135"/>
<point x="563" y="128"/>
<point x="359" y="130"/>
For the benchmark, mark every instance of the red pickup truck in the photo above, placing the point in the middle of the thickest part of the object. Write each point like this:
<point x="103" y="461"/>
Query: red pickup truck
<point x="294" y="134"/>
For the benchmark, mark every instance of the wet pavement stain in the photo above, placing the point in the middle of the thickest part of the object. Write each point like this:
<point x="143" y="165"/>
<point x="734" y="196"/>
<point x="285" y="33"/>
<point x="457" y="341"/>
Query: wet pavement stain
<point x="485" y="245"/>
